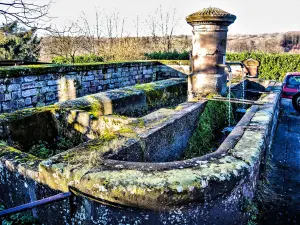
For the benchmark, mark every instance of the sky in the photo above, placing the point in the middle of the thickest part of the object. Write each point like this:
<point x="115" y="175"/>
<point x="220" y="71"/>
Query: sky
<point x="253" y="16"/>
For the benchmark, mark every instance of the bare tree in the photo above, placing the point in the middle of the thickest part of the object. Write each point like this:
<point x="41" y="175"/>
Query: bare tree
<point x="26" y="12"/>
<point x="151" y="24"/>
<point x="168" y="22"/>
<point x="137" y="25"/>
<point x="66" y="42"/>
<point x="114" y="28"/>
<point x="163" y="23"/>
<point x="92" y="33"/>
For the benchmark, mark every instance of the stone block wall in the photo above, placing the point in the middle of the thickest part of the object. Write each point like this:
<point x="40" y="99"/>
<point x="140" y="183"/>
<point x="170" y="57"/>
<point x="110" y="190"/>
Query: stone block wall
<point x="21" y="87"/>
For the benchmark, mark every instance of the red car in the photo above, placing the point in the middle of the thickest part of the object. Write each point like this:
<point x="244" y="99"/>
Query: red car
<point x="291" y="85"/>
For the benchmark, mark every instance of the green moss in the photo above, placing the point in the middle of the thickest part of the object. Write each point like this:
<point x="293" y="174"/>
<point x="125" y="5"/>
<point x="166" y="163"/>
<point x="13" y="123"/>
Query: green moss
<point x="163" y="93"/>
<point x="67" y="157"/>
<point x="16" y="71"/>
<point x="178" y="108"/>
<point x="87" y="103"/>
<point x="5" y="117"/>
<point x="108" y="136"/>
<point x="213" y="118"/>
<point x="96" y="109"/>
<point x="140" y="123"/>
<point x="17" y="155"/>
<point x="145" y="87"/>
<point x="125" y="130"/>
<point x="120" y="116"/>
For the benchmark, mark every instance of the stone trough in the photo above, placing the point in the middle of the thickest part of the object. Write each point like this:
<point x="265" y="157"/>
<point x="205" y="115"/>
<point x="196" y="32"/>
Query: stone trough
<point x="144" y="154"/>
<point x="133" y="169"/>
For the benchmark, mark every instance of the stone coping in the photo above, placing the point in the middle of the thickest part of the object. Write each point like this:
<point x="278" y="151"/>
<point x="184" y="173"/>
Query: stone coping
<point x="211" y="14"/>
<point x="17" y="71"/>
<point x="109" y="102"/>
<point x="227" y="144"/>
<point x="130" y="100"/>
<point x="165" y="187"/>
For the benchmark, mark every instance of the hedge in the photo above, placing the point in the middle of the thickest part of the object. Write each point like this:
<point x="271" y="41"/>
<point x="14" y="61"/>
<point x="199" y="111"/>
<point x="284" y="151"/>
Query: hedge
<point x="168" y="55"/>
<point x="272" y="66"/>
<point x="77" y="59"/>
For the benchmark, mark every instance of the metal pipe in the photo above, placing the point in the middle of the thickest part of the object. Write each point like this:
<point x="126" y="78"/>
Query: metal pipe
<point x="234" y="101"/>
<point x="20" y="208"/>
<point x="251" y="90"/>
<point x="225" y="65"/>
<point x="236" y="63"/>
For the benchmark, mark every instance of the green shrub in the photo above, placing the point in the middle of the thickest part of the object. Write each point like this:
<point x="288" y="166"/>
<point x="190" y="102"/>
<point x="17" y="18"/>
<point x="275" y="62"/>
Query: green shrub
<point x="168" y="55"/>
<point x="44" y="150"/>
<point x="212" y="120"/>
<point x="272" y="66"/>
<point x="77" y="59"/>
<point x="41" y="150"/>
<point x="18" y="218"/>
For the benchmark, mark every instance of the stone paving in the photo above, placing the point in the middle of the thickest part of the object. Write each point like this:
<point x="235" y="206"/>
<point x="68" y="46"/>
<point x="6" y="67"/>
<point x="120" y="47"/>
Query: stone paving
<point x="285" y="174"/>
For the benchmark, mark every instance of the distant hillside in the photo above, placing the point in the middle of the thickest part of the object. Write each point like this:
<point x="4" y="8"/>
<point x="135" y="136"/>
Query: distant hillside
<point x="133" y="48"/>
<point x="271" y="43"/>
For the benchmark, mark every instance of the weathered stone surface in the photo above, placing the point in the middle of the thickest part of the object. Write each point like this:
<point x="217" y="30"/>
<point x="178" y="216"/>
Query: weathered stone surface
<point x="28" y="101"/>
<point x="211" y="15"/>
<point x="162" y="135"/>
<point x="2" y="88"/>
<point x="7" y="97"/>
<point x="50" y="96"/>
<point x="26" y="86"/>
<point x="131" y="100"/>
<point x="209" y="51"/>
<point x="13" y="87"/>
<point x="21" y="103"/>
<point x="30" y="92"/>
<point x="189" y="191"/>
<point x="88" y="78"/>
<point x="30" y="78"/>
<point x="53" y="82"/>
<point x="31" y="129"/>
<point x="16" y="95"/>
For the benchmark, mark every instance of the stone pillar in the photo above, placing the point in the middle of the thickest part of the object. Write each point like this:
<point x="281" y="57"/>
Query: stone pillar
<point x="210" y="28"/>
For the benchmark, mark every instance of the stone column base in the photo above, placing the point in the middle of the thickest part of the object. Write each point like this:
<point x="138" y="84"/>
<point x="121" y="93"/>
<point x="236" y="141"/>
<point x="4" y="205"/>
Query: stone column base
<point x="200" y="85"/>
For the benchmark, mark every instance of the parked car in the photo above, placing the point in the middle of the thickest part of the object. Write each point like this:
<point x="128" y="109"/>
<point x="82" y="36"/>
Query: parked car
<point x="296" y="102"/>
<point x="291" y="85"/>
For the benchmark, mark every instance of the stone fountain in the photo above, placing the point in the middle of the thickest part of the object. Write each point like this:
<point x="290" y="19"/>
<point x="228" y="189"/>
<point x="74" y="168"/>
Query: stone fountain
<point x="210" y="28"/>
<point x="127" y="164"/>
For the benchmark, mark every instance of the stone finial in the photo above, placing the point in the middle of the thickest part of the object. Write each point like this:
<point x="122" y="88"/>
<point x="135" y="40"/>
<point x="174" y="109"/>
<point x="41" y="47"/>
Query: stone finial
<point x="211" y="15"/>
<point x="251" y="62"/>
<point x="252" y="66"/>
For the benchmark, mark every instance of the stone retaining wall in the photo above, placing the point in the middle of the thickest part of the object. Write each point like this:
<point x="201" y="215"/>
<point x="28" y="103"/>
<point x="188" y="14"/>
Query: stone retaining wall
<point x="26" y="87"/>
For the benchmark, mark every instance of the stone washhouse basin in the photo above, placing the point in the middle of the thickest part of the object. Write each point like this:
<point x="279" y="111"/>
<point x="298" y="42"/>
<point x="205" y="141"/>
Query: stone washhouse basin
<point x="144" y="154"/>
<point x="127" y="163"/>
